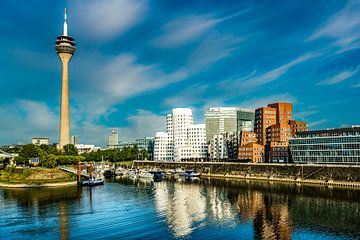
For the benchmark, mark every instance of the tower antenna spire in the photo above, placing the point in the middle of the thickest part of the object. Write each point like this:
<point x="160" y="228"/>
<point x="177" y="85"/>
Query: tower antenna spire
<point x="65" y="24"/>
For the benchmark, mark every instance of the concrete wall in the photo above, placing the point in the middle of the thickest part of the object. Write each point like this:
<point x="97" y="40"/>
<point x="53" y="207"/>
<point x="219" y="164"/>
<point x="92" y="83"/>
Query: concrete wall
<point x="287" y="171"/>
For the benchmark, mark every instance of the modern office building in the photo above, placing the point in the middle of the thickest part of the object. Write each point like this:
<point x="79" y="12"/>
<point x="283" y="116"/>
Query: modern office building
<point x="146" y="143"/>
<point x="161" y="147"/>
<point x="217" y="148"/>
<point x="65" y="48"/>
<point x="273" y="127"/>
<point x="74" y="140"/>
<point x="40" y="141"/>
<point x="183" y="140"/>
<point x="220" y="120"/>
<point x="86" y="148"/>
<point x="252" y="152"/>
<point x="113" y="140"/>
<point x="330" y="146"/>
<point x="228" y="122"/>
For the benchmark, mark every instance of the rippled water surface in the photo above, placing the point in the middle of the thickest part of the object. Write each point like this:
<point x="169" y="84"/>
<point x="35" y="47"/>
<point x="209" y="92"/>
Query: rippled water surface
<point x="204" y="209"/>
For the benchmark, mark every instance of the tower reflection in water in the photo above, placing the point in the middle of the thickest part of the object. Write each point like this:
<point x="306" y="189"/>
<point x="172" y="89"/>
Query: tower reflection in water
<point x="38" y="206"/>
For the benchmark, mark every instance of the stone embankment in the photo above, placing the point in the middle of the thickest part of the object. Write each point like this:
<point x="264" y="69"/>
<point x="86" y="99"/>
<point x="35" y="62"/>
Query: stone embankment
<point x="40" y="185"/>
<point x="331" y="175"/>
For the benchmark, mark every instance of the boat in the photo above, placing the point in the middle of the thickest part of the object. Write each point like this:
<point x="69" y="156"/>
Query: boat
<point x="191" y="174"/>
<point x="132" y="173"/>
<point x="157" y="175"/>
<point x="92" y="182"/>
<point x="146" y="175"/>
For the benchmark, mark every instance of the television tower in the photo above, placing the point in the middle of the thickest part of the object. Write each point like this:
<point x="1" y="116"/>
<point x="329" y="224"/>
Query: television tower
<point x="65" y="48"/>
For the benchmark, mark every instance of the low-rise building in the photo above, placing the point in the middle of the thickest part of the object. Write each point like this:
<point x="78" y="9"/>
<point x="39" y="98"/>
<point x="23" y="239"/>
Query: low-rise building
<point x="337" y="146"/>
<point x="85" y="148"/>
<point x="40" y="141"/>
<point x="252" y="152"/>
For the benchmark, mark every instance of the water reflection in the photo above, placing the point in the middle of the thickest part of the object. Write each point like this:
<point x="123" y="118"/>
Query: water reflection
<point x="276" y="211"/>
<point x="218" y="209"/>
<point x="37" y="206"/>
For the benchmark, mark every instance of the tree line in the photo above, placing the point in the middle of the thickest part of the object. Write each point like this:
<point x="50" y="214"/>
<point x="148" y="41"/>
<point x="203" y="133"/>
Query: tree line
<point x="50" y="156"/>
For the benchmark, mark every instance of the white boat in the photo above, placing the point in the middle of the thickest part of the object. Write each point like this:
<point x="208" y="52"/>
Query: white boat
<point x="146" y="175"/>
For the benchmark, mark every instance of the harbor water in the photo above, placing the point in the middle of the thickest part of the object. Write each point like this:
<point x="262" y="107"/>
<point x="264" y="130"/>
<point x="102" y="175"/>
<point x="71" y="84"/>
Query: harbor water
<point x="199" y="209"/>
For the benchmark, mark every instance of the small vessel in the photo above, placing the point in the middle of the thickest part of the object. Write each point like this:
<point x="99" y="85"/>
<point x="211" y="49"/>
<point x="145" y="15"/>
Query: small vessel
<point x="132" y="173"/>
<point x="92" y="182"/>
<point x="157" y="175"/>
<point x="191" y="174"/>
<point x="146" y="175"/>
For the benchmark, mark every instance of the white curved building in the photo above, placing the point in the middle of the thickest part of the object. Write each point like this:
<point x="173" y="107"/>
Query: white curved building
<point x="184" y="139"/>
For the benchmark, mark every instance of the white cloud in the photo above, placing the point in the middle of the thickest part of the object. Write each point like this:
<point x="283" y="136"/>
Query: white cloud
<point x="142" y="124"/>
<point x="343" y="27"/>
<point x="252" y="82"/>
<point x="184" y="30"/>
<point x="25" y="119"/>
<point x="213" y="48"/>
<point x="257" y="102"/>
<point x="189" y="28"/>
<point x="303" y="115"/>
<point x="317" y="123"/>
<point x="120" y="78"/>
<point x="107" y="19"/>
<point x="340" y="77"/>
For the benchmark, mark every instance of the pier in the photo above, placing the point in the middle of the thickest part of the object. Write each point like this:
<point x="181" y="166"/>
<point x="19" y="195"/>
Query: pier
<point x="329" y="175"/>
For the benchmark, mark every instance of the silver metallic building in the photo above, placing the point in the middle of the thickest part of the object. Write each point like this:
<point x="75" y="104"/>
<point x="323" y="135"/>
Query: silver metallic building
<point x="339" y="146"/>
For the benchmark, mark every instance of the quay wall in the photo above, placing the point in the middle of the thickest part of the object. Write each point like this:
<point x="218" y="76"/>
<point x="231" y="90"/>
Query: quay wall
<point x="341" y="175"/>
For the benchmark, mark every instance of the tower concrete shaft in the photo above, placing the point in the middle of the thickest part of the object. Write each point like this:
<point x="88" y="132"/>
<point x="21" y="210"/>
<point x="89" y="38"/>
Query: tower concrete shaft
<point x="65" y="47"/>
<point x="65" y="109"/>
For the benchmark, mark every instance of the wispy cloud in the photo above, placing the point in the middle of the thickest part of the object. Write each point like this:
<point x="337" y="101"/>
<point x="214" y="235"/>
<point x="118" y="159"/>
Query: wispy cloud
<point x="257" y="102"/>
<point x="212" y="49"/>
<point x="303" y="115"/>
<point x="186" y="29"/>
<point x="120" y="78"/>
<point x="356" y="85"/>
<point x="317" y="123"/>
<point x="107" y="19"/>
<point x="247" y="83"/>
<point x="340" y="77"/>
<point x="343" y="27"/>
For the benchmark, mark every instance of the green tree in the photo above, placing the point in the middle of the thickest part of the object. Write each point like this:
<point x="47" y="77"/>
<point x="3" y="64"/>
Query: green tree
<point x="49" y="161"/>
<point x="29" y="151"/>
<point x="70" y="150"/>
<point x="144" y="154"/>
<point x="135" y="152"/>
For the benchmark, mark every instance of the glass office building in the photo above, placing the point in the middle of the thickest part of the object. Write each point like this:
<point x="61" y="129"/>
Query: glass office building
<point x="338" y="146"/>
<point x="221" y="120"/>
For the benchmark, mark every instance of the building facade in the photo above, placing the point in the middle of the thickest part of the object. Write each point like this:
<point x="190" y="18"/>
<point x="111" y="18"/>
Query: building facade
<point x="222" y="120"/>
<point x="273" y="127"/>
<point x="113" y="140"/>
<point x="331" y="146"/>
<point x="228" y="122"/>
<point x="40" y="141"/>
<point x="183" y="140"/>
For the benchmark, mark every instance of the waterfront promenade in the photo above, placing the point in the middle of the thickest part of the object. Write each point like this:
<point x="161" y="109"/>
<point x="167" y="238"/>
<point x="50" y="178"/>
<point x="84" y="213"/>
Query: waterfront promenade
<point x="331" y="175"/>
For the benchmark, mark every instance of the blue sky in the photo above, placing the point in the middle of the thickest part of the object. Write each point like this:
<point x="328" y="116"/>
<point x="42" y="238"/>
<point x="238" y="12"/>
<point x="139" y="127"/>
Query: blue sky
<point x="138" y="59"/>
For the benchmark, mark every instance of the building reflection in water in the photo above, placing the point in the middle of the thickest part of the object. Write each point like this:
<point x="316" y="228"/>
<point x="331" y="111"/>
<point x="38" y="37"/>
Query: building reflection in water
<point x="187" y="205"/>
<point x="274" y="210"/>
<point x="270" y="214"/>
